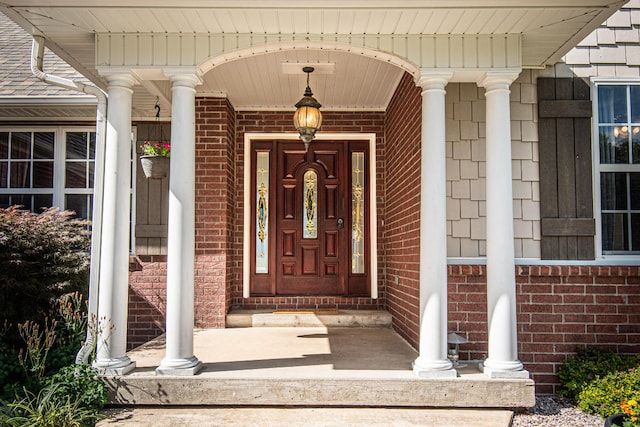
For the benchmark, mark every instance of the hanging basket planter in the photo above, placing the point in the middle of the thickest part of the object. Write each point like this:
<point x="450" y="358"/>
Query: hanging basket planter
<point x="155" y="153"/>
<point x="155" y="167"/>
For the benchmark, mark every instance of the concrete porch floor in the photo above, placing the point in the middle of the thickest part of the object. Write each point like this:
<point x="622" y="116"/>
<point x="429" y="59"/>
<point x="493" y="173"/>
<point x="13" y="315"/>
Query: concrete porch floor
<point x="308" y="366"/>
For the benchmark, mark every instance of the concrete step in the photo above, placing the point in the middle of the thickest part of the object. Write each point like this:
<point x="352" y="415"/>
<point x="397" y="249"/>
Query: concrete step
<point x="205" y="390"/>
<point x="303" y="417"/>
<point x="318" y="366"/>
<point x="309" y="318"/>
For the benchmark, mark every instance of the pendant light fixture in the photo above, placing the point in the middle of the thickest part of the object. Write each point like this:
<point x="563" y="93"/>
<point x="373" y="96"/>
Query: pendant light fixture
<point x="307" y="118"/>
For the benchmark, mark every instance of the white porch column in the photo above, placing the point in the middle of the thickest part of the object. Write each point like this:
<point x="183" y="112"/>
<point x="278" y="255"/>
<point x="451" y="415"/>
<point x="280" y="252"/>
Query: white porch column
<point x="111" y="357"/>
<point x="179" y="358"/>
<point x="501" y="287"/>
<point x="432" y="361"/>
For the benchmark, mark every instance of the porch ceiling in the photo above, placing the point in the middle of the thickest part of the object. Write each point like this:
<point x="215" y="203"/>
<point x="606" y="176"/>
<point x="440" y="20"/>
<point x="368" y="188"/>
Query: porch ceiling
<point x="549" y="28"/>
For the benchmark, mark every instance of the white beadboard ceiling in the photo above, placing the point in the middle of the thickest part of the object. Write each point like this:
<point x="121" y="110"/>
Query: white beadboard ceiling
<point x="549" y="28"/>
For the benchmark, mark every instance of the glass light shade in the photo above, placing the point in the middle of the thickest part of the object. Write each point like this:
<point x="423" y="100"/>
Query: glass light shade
<point x="307" y="120"/>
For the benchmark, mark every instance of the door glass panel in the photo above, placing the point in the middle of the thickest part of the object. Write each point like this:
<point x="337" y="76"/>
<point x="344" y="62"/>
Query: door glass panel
<point x="262" y="213"/>
<point x="310" y="205"/>
<point x="357" y="214"/>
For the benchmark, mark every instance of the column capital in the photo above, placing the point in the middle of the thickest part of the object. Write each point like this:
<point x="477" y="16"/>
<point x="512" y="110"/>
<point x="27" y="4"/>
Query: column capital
<point x="122" y="78"/>
<point x="497" y="79"/>
<point x="181" y="76"/>
<point x="429" y="79"/>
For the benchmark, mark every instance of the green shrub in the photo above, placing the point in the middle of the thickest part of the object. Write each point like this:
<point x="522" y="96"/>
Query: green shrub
<point x="42" y="256"/>
<point x="603" y="396"/>
<point x="47" y="347"/>
<point x="49" y="408"/>
<point x="589" y="364"/>
<point x="81" y="384"/>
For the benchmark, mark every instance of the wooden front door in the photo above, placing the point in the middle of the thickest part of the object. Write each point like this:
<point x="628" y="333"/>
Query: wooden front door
<point x="311" y="228"/>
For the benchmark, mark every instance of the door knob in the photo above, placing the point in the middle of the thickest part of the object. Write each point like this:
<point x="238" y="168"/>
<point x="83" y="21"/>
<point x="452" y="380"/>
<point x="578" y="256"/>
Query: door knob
<point x="340" y="223"/>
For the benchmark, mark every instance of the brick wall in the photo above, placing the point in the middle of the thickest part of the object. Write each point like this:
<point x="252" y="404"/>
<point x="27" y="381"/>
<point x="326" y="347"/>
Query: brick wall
<point x="559" y="308"/>
<point x="147" y="298"/>
<point x="215" y="206"/>
<point x="402" y="214"/>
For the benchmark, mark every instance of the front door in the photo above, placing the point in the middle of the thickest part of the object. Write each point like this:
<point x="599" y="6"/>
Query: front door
<point x="310" y="234"/>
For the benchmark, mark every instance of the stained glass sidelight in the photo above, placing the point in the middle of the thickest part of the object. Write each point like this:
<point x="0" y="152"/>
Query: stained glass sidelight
<point x="310" y="206"/>
<point x="357" y="214"/>
<point x="262" y="213"/>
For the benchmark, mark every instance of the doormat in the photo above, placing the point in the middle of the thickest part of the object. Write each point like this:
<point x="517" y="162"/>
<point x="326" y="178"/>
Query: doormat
<point x="307" y="311"/>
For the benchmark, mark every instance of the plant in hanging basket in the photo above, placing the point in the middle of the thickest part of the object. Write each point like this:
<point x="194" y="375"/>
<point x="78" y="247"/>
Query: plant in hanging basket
<point x="155" y="159"/>
<point x="158" y="148"/>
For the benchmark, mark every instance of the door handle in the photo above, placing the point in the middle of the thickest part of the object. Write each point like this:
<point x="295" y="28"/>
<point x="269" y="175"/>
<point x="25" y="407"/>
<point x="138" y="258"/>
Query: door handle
<point x="340" y="223"/>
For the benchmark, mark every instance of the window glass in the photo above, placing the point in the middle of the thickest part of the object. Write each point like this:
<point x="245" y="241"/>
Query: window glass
<point x="614" y="190"/>
<point x="4" y="145"/>
<point x="43" y="174"/>
<point x="615" y="233"/>
<point x="42" y="201"/>
<point x="635" y="104"/>
<point x="614" y="144"/>
<point x="20" y="174"/>
<point x="634" y="188"/>
<point x="635" y="230"/>
<point x="79" y="203"/>
<point x="4" y="172"/>
<point x="21" y="145"/>
<point x="76" y="175"/>
<point x="619" y="151"/>
<point x="76" y="145"/>
<point x="612" y="104"/>
<point x="92" y="145"/>
<point x="43" y="145"/>
<point x="28" y="162"/>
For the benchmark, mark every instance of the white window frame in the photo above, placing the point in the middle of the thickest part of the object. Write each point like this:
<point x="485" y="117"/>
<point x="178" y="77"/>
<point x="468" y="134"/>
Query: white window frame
<point x="598" y="168"/>
<point x="59" y="157"/>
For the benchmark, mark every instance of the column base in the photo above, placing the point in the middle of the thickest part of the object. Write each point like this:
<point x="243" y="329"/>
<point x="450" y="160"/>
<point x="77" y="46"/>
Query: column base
<point x="434" y="368"/>
<point x="506" y="370"/>
<point x="179" y="367"/>
<point x="114" y="367"/>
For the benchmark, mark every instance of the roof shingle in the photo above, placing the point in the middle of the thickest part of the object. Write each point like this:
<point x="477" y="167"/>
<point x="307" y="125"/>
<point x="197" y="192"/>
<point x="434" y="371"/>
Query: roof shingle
<point x="16" y="79"/>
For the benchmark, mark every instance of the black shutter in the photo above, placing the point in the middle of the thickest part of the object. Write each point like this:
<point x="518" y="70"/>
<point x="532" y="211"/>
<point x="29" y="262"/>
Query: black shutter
<point x="566" y="193"/>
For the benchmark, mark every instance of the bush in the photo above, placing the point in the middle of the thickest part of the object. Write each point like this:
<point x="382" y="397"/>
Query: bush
<point x="588" y="364"/>
<point x="603" y="396"/>
<point x="80" y="383"/>
<point x="49" y="408"/>
<point x="46" y="347"/>
<point x="42" y="256"/>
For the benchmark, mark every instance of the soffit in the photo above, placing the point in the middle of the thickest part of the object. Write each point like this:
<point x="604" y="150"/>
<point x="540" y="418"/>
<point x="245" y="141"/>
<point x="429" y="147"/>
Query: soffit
<point x="548" y="30"/>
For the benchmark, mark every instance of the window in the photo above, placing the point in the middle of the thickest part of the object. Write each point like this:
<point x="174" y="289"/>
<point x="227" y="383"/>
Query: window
<point x="618" y="167"/>
<point x="47" y="167"/>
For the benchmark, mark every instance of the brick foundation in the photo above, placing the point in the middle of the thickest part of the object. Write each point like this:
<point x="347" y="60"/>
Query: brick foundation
<point x="559" y="308"/>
